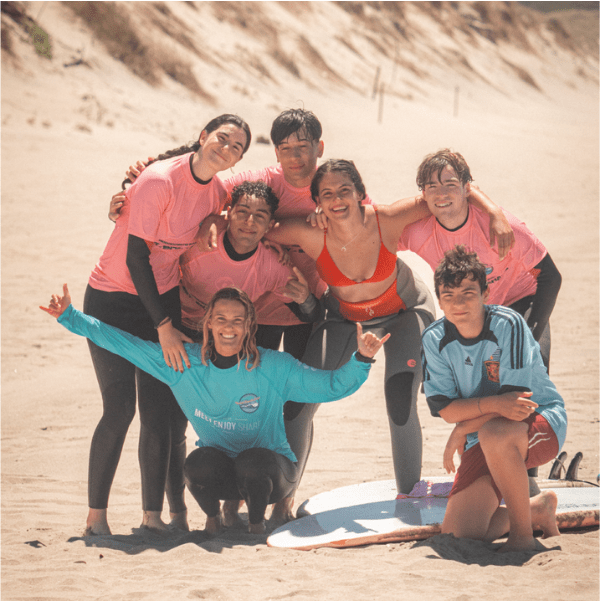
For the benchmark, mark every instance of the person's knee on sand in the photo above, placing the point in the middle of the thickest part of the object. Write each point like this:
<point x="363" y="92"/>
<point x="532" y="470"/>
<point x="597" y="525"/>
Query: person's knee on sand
<point x="470" y="511"/>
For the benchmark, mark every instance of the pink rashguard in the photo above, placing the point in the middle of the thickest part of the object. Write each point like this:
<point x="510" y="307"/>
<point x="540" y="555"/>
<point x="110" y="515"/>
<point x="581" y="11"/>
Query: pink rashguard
<point x="509" y="280"/>
<point x="203" y="273"/>
<point x="164" y="206"/>
<point x="293" y="202"/>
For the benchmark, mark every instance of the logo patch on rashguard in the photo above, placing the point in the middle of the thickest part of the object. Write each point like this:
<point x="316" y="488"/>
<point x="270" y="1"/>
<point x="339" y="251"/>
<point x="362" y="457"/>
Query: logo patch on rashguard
<point x="493" y="366"/>
<point x="493" y="370"/>
<point x="249" y="403"/>
<point x="468" y="361"/>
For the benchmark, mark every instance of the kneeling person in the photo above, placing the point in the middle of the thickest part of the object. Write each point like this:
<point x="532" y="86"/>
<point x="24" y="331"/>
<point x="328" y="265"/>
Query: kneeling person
<point x="483" y="371"/>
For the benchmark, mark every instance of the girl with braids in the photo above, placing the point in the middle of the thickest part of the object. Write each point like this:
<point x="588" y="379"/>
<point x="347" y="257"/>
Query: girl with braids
<point x="233" y="394"/>
<point x="135" y="286"/>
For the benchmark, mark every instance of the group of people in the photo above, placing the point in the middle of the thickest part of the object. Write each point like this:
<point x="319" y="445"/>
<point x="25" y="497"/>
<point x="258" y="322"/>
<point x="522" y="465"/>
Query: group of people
<point x="192" y="320"/>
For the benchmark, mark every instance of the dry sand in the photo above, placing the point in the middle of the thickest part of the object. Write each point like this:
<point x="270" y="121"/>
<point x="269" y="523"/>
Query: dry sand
<point x="539" y="160"/>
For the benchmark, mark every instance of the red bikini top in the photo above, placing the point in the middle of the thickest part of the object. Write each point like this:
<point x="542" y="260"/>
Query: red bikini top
<point x="331" y="274"/>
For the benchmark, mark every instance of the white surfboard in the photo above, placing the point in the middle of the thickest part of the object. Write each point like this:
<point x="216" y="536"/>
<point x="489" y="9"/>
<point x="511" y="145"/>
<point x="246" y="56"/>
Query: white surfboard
<point x="361" y="493"/>
<point x="370" y="513"/>
<point x="377" y="491"/>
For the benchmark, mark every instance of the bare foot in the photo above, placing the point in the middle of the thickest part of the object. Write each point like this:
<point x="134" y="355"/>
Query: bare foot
<point x="231" y="517"/>
<point x="97" y="523"/>
<point x="214" y="524"/>
<point x="153" y="522"/>
<point x="179" y="520"/>
<point x="518" y="544"/>
<point x="543" y="513"/>
<point x="258" y="528"/>
<point x="282" y="512"/>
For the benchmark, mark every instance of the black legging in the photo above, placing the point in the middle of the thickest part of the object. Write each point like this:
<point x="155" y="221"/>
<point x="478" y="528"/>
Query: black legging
<point x="258" y="476"/>
<point x="524" y="306"/>
<point x="295" y="338"/>
<point x="162" y="447"/>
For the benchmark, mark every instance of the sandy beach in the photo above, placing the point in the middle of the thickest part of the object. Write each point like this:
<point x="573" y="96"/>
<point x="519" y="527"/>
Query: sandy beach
<point x="534" y="154"/>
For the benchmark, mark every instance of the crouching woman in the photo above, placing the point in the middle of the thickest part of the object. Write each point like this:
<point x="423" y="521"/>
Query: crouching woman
<point x="233" y="395"/>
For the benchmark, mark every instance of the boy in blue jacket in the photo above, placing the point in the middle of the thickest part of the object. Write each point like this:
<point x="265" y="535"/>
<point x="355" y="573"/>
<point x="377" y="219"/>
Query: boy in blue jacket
<point x="483" y="372"/>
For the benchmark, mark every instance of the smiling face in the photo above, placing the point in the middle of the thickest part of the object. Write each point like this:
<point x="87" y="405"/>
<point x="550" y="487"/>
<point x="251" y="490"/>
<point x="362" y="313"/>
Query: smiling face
<point x="249" y="220"/>
<point x="446" y="197"/>
<point x="220" y="149"/>
<point x="228" y="326"/>
<point x="338" y="197"/>
<point x="463" y="305"/>
<point x="298" y="155"/>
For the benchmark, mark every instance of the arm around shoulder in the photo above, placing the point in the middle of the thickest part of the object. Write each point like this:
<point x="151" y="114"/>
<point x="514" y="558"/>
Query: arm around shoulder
<point x="406" y="211"/>
<point x="295" y="231"/>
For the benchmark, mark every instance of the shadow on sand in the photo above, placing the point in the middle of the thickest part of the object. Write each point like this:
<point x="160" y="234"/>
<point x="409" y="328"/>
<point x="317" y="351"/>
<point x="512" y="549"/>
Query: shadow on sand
<point x="470" y="551"/>
<point x="142" y="539"/>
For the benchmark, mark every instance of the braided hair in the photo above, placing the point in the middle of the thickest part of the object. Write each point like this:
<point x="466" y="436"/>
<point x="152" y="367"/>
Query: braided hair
<point x="212" y="125"/>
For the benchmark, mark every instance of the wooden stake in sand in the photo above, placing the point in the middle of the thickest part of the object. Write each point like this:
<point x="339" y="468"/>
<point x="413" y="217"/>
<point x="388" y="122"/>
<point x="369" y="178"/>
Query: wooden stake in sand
<point x="376" y="83"/>
<point x="456" y="93"/>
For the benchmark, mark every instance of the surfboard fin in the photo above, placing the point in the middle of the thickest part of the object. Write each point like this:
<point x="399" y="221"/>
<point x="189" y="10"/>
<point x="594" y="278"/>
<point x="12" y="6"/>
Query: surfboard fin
<point x="574" y="467"/>
<point x="559" y="466"/>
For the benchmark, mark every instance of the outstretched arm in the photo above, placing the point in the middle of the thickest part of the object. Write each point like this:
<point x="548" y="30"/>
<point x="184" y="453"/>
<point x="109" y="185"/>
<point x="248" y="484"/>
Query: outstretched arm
<point x="145" y="354"/>
<point x="311" y="385"/>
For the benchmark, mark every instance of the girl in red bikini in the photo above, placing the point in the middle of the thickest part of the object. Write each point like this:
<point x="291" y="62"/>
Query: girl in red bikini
<point x="356" y="257"/>
<point x="368" y="283"/>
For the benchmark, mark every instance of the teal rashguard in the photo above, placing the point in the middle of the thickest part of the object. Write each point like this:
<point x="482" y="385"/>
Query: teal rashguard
<point x="504" y="357"/>
<point x="232" y="409"/>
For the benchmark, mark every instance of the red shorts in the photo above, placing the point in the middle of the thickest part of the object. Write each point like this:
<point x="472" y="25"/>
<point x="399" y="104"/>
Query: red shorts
<point x="543" y="447"/>
<point x="385" y="305"/>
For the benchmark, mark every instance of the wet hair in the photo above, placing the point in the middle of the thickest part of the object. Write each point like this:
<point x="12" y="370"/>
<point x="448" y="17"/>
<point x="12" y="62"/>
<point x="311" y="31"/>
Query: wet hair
<point x="456" y="265"/>
<point x="258" y="189"/>
<point x="435" y="163"/>
<point x="249" y="350"/>
<point x="337" y="165"/>
<point x="211" y="126"/>
<point x="295" y="121"/>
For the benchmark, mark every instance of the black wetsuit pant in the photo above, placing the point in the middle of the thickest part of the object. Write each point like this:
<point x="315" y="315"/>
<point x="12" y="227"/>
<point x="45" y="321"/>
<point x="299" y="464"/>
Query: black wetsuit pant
<point x="258" y="476"/>
<point x="162" y="448"/>
<point x="523" y="306"/>
<point x="295" y="338"/>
